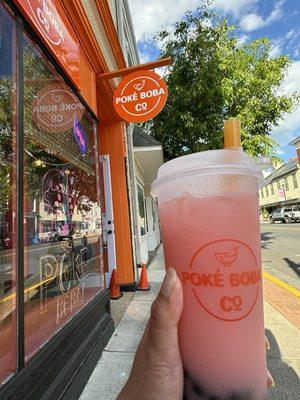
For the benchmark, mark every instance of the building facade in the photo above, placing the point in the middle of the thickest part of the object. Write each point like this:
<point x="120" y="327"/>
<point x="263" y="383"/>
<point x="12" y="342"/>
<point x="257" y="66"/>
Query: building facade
<point x="64" y="208"/>
<point x="282" y="187"/>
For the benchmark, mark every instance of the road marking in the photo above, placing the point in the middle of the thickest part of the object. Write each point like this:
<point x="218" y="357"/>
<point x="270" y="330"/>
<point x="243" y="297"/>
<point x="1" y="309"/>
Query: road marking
<point x="282" y="284"/>
<point x="286" y="229"/>
<point x="29" y="289"/>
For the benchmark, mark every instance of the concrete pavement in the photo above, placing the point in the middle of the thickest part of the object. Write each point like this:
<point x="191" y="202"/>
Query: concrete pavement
<point x="281" y="251"/>
<point x="114" y="366"/>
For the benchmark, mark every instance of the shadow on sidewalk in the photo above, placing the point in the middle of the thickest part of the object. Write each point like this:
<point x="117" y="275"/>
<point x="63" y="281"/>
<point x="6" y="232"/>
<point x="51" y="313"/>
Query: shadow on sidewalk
<point x="293" y="265"/>
<point x="286" y="379"/>
<point x="266" y="239"/>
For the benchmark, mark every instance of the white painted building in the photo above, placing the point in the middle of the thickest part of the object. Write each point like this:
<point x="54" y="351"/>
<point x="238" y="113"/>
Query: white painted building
<point x="148" y="157"/>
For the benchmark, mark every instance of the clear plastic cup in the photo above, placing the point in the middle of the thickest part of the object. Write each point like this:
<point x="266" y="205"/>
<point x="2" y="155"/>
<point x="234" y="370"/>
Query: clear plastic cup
<point x="209" y="212"/>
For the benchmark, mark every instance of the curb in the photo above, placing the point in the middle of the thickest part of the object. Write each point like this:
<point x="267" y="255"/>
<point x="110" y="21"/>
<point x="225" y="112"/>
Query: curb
<point x="282" y="284"/>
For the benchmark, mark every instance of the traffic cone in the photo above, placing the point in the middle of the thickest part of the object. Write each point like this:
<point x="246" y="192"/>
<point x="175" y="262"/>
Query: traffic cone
<point x="114" y="287"/>
<point x="143" y="285"/>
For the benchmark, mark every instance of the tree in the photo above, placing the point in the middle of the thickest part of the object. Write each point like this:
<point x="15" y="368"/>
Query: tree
<point x="214" y="77"/>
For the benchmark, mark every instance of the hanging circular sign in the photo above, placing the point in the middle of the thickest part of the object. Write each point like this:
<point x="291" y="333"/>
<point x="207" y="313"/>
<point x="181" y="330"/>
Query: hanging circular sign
<point x="140" y="96"/>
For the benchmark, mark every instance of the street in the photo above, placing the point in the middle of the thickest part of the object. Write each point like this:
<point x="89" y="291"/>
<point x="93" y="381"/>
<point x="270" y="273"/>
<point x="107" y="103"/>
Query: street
<point x="281" y="251"/>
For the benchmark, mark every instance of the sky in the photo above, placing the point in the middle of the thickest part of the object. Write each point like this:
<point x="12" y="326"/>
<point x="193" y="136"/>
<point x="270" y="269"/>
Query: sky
<point x="279" y="20"/>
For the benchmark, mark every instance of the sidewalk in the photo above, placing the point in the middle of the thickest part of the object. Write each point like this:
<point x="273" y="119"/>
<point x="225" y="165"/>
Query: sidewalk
<point x="115" y="363"/>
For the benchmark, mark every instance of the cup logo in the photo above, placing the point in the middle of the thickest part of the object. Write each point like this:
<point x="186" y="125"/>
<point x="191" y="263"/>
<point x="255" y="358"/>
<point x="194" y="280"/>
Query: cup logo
<point x="224" y="278"/>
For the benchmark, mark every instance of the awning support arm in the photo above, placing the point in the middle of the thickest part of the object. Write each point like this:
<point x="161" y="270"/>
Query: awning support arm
<point x="125" y="71"/>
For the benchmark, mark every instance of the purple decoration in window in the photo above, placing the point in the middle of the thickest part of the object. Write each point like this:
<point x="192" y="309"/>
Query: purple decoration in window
<point x="80" y="136"/>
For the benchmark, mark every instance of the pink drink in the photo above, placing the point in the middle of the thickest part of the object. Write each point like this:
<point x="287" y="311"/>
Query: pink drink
<point x="211" y="237"/>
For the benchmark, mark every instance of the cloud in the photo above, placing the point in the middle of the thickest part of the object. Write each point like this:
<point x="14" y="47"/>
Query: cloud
<point x="291" y="83"/>
<point x="292" y="34"/>
<point x="235" y="7"/>
<point x="276" y="50"/>
<point x="297" y="52"/>
<point x="252" y="21"/>
<point x="289" y="126"/>
<point x="150" y="17"/>
<point x="242" y="39"/>
<point x="287" y="44"/>
<point x="277" y="13"/>
<point x="146" y="49"/>
<point x="162" y="71"/>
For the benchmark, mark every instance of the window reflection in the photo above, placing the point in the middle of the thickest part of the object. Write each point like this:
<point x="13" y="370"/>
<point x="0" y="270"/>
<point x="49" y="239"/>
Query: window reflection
<point x="7" y="193"/>
<point x="63" y="263"/>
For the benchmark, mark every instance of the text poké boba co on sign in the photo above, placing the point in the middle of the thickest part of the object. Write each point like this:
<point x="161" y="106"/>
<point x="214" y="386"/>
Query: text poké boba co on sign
<point x="140" y="96"/>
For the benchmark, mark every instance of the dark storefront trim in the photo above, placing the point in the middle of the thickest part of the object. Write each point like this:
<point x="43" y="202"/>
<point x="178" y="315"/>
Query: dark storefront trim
<point x="20" y="200"/>
<point x="128" y="287"/>
<point x="62" y="367"/>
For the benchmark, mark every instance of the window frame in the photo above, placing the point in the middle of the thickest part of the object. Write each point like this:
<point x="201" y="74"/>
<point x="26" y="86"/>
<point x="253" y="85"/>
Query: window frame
<point x="278" y="184"/>
<point x="139" y="185"/>
<point x="286" y="184"/>
<point x="295" y="180"/>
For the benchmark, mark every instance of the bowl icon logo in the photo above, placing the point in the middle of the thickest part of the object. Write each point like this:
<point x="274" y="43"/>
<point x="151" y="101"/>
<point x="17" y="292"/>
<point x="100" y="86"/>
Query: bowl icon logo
<point x="139" y="86"/>
<point x="227" y="258"/>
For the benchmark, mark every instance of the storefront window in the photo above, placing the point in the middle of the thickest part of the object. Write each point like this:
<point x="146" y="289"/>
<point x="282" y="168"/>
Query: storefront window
<point x="142" y="214"/>
<point x="63" y="261"/>
<point x="7" y="193"/>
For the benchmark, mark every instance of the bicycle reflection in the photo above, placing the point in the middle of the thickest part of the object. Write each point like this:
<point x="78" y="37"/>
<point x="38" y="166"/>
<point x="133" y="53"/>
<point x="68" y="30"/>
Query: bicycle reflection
<point x="63" y="275"/>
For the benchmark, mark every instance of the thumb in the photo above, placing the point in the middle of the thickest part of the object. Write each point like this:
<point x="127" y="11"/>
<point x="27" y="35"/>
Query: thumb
<point x="157" y="369"/>
<point x="166" y="311"/>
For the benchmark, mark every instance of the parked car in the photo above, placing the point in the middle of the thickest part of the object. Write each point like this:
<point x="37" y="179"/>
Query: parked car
<point x="48" y="235"/>
<point x="287" y="215"/>
<point x="296" y="214"/>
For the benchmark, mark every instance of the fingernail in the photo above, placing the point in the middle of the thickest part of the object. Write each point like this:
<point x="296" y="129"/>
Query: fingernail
<point x="267" y="343"/>
<point x="270" y="380"/>
<point x="169" y="282"/>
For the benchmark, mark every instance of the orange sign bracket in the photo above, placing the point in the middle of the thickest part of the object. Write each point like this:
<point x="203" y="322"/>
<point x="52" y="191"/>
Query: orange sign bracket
<point x="125" y="71"/>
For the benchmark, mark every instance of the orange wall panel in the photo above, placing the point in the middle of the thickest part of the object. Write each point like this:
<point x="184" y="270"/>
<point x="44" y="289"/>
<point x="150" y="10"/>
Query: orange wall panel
<point x="112" y="142"/>
<point x="87" y="81"/>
